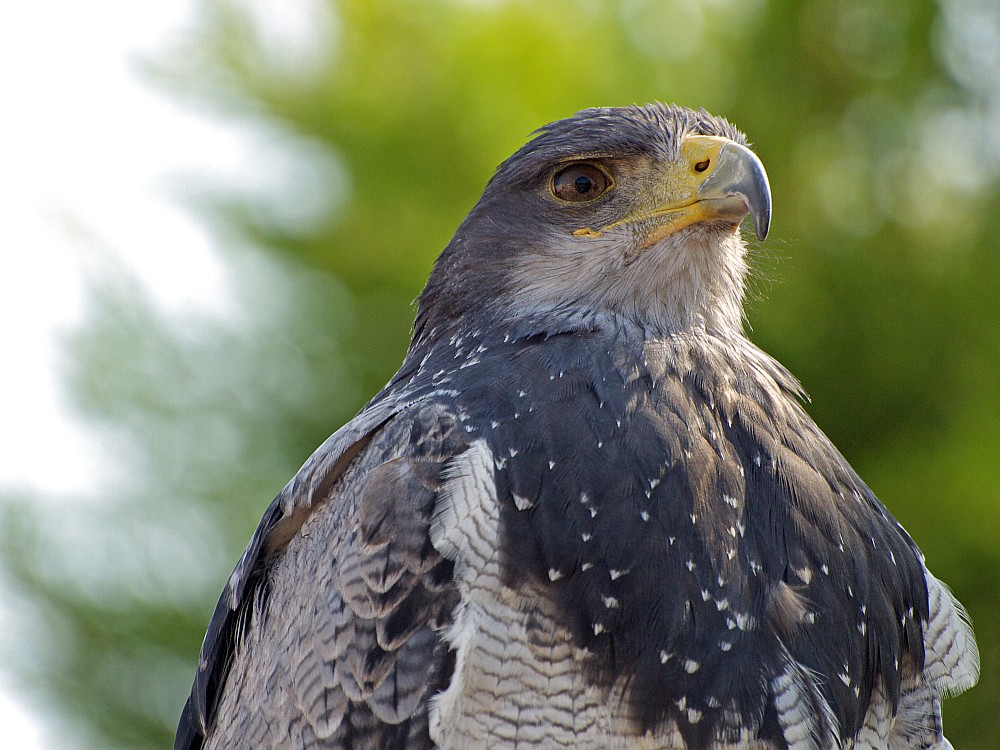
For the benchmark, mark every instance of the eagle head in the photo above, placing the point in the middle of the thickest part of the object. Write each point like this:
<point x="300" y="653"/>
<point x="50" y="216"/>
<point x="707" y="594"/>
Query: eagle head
<point x="633" y="211"/>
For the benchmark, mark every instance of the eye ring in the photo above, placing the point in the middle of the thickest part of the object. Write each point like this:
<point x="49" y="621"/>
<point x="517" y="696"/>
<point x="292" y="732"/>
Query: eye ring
<point x="580" y="182"/>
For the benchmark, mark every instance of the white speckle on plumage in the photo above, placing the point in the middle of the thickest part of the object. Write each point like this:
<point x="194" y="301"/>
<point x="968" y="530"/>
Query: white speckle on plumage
<point x="555" y="575"/>
<point x="729" y="500"/>
<point x="583" y="498"/>
<point x="705" y="596"/>
<point x="690" y="565"/>
<point x="694" y="518"/>
<point x="517" y="415"/>
<point x="616" y="574"/>
<point x="691" y="666"/>
<point x="494" y="423"/>
<point x="600" y="443"/>
<point x="732" y="531"/>
<point x="722" y="604"/>
<point x="850" y="591"/>
<point x="552" y="377"/>
<point x="649" y="494"/>
<point x="681" y="703"/>
<point x="845" y="678"/>
<point x="756" y="459"/>
<point x="609" y="601"/>
<point x="725" y="645"/>
<point x="522" y="503"/>
<point x="522" y="394"/>
<point x="598" y="628"/>
<point x="586" y="566"/>
<point x="654" y="483"/>
<point x="694" y="715"/>
<point x="809" y="617"/>
<point x="744" y="621"/>
<point x="825" y="568"/>
<point x="742" y="529"/>
<point x="862" y="628"/>
<point x="857" y="691"/>
<point x="644" y="515"/>
<point x="552" y="465"/>
<point x="665" y="657"/>
<point x="892" y="557"/>
<point x="513" y="451"/>
<point x="586" y="536"/>
<point x="593" y="512"/>
<point x="805" y="574"/>
<point x="731" y="553"/>
<point x="712" y="702"/>
<point x="670" y="540"/>
<point x="720" y="580"/>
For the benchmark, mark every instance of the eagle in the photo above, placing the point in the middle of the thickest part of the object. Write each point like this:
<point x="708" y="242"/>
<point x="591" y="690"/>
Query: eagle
<point x="587" y="512"/>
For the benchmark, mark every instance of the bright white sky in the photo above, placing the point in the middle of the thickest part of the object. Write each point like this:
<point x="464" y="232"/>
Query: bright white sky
<point x="86" y="150"/>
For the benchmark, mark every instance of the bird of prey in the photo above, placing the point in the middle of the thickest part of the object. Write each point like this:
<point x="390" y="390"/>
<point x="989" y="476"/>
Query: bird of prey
<point x="587" y="512"/>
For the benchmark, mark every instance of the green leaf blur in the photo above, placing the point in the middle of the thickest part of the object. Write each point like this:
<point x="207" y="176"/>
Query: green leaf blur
<point x="878" y="287"/>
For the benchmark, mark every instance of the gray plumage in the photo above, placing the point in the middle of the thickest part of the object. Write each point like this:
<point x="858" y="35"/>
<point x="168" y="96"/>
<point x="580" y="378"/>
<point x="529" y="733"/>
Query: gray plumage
<point x="587" y="512"/>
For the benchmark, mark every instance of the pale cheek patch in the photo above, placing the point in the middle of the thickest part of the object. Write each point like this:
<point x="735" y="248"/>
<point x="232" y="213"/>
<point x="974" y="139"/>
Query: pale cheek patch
<point x="694" y="277"/>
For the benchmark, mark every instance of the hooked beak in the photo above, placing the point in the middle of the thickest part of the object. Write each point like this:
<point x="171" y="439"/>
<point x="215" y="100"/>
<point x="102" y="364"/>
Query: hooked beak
<point x="739" y="175"/>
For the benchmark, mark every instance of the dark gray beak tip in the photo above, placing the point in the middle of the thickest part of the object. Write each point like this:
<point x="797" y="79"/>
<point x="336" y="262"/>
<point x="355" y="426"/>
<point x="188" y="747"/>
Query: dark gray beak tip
<point x="762" y="221"/>
<point x="752" y="185"/>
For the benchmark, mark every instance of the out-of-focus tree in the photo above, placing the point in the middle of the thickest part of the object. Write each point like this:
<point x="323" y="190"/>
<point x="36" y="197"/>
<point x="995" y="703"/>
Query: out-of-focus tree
<point x="878" y="286"/>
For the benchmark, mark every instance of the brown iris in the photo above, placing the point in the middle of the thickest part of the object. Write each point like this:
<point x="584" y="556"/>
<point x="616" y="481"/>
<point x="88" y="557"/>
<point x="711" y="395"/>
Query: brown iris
<point x="580" y="182"/>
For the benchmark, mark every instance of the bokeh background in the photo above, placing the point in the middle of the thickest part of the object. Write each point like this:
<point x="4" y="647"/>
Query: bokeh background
<point x="368" y="129"/>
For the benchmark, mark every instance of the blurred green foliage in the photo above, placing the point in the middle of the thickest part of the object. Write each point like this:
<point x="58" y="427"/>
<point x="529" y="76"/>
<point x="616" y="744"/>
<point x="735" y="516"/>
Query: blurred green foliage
<point x="878" y="285"/>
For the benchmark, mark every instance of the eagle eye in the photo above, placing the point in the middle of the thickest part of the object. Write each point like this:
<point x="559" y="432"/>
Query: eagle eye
<point x="579" y="183"/>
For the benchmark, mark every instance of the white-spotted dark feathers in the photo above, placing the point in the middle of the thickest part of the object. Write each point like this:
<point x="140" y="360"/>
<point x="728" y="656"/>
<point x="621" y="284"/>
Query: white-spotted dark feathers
<point x="591" y="524"/>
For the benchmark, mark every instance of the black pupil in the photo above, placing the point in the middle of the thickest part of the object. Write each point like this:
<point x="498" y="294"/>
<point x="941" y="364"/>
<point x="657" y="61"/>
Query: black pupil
<point x="583" y="184"/>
